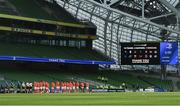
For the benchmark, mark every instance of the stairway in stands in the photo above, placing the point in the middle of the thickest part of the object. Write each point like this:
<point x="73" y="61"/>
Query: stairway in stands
<point x="1" y="77"/>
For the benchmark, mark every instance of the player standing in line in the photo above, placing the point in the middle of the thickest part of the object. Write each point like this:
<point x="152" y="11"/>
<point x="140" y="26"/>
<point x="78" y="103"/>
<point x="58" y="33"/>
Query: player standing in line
<point x="82" y="87"/>
<point x="87" y="87"/>
<point x="23" y="87"/>
<point x="40" y="86"/>
<point x="47" y="87"/>
<point x="60" y="83"/>
<point x="77" y="87"/>
<point x="30" y="87"/>
<point x="44" y="86"/>
<point x="34" y="85"/>
<point x="62" y="87"/>
<point x="70" y="87"/>
<point x="27" y="87"/>
<point x="74" y="87"/>
<point x="37" y="87"/>
<point x="65" y="87"/>
<point x="52" y="87"/>
<point x="57" y="87"/>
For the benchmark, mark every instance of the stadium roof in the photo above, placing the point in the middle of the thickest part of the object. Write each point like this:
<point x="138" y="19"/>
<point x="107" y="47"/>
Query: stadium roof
<point x="128" y="21"/>
<point x="151" y="8"/>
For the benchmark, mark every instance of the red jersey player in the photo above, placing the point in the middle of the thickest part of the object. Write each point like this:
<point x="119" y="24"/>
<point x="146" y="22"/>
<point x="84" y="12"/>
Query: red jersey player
<point x="47" y="87"/>
<point x="52" y="87"/>
<point x="77" y="86"/>
<point x="65" y="86"/>
<point x="70" y="87"/>
<point x="35" y="87"/>
<point x="74" y="86"/>
<point x="57" y="87"/>
<point x="82" y="87"/>
<point x="41" y="87"/>
<point x="38" y="87"/>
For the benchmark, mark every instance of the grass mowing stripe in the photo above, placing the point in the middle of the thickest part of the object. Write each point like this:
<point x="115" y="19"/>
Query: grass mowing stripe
<point x="101" y="99"/>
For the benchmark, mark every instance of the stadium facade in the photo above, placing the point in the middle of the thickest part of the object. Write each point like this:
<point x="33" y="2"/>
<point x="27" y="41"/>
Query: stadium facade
<point x="129" y="21"/>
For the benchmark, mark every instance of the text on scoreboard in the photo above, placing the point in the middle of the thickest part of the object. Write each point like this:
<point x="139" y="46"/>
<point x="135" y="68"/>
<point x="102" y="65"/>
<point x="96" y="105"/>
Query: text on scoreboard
<point x="149" y="53"/>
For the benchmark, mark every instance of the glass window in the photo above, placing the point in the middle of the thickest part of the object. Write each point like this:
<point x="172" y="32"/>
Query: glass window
<point x="78" y="44"/>
<point x="83" y="43"/>
<point x="64" y="43"/>
<point x="71" y="43"/>
<point x="61" y="42"/>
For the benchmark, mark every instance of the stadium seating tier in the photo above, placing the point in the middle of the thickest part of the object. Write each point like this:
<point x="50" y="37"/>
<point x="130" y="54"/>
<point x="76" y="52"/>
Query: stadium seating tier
<point x="42" y="10"/>
<point x="43" y="51"/>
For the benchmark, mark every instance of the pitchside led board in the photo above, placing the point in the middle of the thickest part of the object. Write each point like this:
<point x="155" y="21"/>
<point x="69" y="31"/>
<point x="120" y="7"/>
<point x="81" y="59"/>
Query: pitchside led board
<point x="149" y="53"/>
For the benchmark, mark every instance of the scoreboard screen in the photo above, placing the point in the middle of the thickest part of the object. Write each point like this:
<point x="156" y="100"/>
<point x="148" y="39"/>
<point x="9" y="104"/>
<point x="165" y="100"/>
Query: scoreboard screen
<point x="163" y="53"/>
<point x="140" y="53"/>
<point x="169" y="53"/>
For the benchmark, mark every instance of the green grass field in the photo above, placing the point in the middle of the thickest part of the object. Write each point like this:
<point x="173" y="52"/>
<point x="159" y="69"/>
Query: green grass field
<point x="95" y="99"/>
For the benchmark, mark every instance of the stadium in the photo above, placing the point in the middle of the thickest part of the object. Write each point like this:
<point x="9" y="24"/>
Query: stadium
<point x="89" y="52"/>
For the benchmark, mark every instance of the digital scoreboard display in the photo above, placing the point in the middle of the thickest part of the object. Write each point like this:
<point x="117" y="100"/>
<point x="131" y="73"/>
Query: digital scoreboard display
<point x="169" y="53"/>
<point x="163" y="53"/>
<point x="140" y="53"/>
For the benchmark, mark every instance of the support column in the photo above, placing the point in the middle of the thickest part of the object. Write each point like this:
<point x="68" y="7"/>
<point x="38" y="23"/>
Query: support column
<point x="143" y="9"/>
<point x="163" y="67"/>
<point x="105" y="32"/>
<point x="178" y="27"/>
<point x="119" y="34"/>
<point x="163" y="72"/>
<point x="77" y="11"/>
<point x="111" y="40"/>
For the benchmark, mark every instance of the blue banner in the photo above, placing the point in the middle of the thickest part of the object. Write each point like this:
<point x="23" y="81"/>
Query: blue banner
<point x="55" y="60"/>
